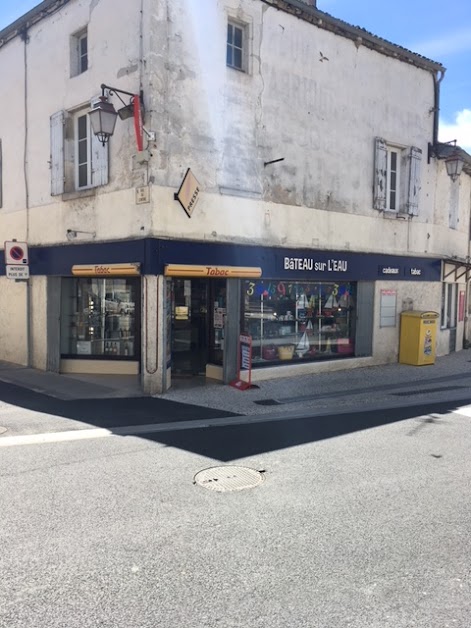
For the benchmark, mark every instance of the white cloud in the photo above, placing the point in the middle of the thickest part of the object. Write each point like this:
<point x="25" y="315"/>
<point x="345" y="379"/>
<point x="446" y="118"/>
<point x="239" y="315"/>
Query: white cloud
<point x="459" y="130"/>
<point x="450" y="43"/>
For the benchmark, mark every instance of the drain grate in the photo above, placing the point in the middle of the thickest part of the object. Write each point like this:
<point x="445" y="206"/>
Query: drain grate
<point x="2" y="430"/>
<point x="229" y="478"/>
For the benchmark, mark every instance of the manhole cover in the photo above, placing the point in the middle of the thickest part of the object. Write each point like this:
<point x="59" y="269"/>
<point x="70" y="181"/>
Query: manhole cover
<point x="2" y="430"/>
<point x="223" y="479"/>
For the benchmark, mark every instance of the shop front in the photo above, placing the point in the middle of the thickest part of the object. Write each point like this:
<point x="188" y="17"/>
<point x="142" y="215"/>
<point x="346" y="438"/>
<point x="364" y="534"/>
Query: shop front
<point x="297" y="306"/>
<point x="100" y="320"/>
<point x="169" y="308"/>
<point x="199" y="316"/>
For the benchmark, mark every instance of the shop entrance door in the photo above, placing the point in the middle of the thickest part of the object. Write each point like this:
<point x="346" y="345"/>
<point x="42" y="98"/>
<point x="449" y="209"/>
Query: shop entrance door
<point x="190" y="326"/>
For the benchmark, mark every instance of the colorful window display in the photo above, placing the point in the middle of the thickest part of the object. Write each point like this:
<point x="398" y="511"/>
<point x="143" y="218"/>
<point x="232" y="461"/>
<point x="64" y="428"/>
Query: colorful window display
<point x="297" y="321"/>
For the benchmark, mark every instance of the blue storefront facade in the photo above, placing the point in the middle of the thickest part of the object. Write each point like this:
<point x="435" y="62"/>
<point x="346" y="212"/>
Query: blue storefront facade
<point x="301" y="307"/>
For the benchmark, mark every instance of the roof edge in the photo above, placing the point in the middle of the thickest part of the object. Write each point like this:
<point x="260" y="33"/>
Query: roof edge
<point x="358" y="35"/>
<point x="44" y="9"/>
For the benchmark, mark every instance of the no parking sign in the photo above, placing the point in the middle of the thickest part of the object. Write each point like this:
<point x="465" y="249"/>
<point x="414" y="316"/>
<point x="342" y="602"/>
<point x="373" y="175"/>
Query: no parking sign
<point x="16" y="253"/>
<point x="16" y="260"/>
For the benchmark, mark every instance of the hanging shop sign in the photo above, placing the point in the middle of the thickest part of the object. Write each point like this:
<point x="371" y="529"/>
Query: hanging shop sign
<point x="189" y="192"/>
<point x="106" y="270"/>
<point x="213" y="272"/>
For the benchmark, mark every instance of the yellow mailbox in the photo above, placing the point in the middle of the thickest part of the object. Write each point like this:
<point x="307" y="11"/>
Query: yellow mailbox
<point x="418" y="337"/>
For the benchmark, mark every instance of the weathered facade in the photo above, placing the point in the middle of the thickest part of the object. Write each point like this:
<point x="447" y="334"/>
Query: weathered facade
<point x="322" y="212"/>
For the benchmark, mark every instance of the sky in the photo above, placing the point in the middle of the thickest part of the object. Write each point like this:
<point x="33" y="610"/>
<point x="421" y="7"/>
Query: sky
<point x="438" y="30"/>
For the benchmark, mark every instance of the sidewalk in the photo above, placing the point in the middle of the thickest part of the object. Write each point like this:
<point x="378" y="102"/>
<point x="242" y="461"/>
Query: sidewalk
<point x="392" y="385"/>
<point x="388" y="385"/>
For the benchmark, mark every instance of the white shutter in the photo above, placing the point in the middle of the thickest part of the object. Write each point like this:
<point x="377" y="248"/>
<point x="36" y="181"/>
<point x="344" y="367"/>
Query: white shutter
<point x="99" y="161"/>
<point x="380" y="174"/>
<point x="415" y="162"/>
<point x="57" y="153"/>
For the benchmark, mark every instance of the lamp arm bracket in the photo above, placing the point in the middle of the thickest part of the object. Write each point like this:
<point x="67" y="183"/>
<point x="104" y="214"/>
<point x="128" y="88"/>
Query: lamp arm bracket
<point x="115" y="90"/>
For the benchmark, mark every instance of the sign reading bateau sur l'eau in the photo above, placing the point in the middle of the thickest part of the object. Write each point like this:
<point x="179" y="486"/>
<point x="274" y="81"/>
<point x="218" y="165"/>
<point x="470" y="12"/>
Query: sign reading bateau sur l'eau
<point x="213" y="272"/>
<point x="309" y="263"/>
<point x="107" y="270"/>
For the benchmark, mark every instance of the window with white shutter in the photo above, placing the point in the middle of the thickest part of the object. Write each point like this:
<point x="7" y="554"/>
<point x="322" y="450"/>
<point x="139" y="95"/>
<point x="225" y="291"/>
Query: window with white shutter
<point x="396" y="186"/>
<point x="380" y="174"/>
<point x="57" y="153"/>
<point x="79" y="161"/>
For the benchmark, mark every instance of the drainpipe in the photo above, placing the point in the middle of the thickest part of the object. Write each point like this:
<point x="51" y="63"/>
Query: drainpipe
<point x="29" y="344"/>
<point x="437" y="79"/>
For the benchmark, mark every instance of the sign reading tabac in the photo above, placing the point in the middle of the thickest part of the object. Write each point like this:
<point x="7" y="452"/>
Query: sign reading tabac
<point x="188" y="193"/>
<point x="106" y="270"/>
<point x="213" y="272"/>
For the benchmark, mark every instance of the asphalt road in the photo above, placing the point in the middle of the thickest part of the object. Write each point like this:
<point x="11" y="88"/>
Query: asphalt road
<point x="363" y="520"/>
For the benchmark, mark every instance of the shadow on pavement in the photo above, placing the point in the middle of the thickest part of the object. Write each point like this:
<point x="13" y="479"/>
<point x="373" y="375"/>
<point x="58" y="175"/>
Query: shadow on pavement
<point x="112" y="412"/>
<point x="233" y="442"/>
<point x="224" y="443"/>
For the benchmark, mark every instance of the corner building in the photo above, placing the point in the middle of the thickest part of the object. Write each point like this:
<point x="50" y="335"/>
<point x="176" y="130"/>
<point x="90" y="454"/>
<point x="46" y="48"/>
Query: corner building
<point x="282" y="179"/>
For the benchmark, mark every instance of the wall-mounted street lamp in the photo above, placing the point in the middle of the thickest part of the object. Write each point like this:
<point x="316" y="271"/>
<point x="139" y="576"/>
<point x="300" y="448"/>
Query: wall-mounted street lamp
<point x="450" y="152"/>
<point x="454" y="165"/>
<point x="103" y="115"/>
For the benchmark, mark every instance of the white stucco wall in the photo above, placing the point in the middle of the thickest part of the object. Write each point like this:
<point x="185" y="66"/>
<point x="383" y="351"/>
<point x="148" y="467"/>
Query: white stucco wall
<point x="321" y="117"/>
<point x="13" y="334"/>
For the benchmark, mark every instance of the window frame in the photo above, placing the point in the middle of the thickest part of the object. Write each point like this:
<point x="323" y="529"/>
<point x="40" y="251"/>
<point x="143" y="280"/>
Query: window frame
<point x="390" y="188"/>
<point x="76" y="147"/>
<point x="79" y="59"/>
<point x="230" y="45"/>
<point x="449" y="306"/>
<point x="396" y="183"/>
<point x="65" y="154"/>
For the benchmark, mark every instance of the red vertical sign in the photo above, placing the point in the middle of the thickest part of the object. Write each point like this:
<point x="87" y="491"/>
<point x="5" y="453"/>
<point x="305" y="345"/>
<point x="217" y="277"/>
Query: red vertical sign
<point x="461" y="306"/>
<point x="244" y="363"/>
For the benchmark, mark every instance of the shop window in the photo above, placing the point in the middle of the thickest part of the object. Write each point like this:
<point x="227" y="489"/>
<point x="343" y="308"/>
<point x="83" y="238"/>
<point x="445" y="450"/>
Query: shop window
<point x="100" y="318"/>
<point x="448" y="308"/>
<point x="299" y="321"/>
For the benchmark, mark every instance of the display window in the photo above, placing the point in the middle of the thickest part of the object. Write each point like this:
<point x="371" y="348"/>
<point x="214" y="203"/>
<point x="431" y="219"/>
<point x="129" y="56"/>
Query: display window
<point x="100" y="317"/>
<point x="298" y="321"/>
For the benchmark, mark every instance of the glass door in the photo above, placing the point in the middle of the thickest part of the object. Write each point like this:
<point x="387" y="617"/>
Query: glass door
<point x="190" y="326"/>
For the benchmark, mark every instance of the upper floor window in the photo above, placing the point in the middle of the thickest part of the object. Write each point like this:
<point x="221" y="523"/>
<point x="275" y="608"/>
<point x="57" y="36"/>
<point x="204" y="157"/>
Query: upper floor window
<point x="79" y="53"/>
<point x="82" y="151"/>
<point x="79" y="160"/>
<point x="392" y="185"/>
<point x="235" y="50"/>
<point x="396" y="178"/>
